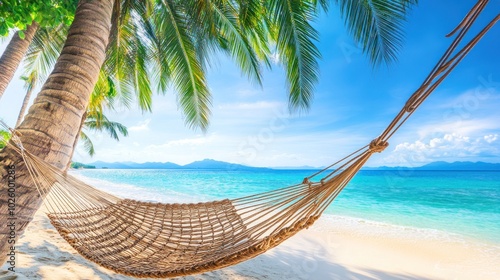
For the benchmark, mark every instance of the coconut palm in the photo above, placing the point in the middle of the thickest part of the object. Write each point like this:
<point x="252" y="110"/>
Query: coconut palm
<point x="94" y="119"/>
<point x="173" y="28"/>
<point x="51" y="125"/>
<point x="25" y="17"/>
<point x="13" y="55"/>
<point x="29" y="85"/>
<point x="100" y="123"/>
<point x="40" y="58"/>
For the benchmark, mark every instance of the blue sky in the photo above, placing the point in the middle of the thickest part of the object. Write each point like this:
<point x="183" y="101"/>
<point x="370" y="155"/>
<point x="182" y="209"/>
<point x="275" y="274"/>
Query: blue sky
<point x="353" y="103"/>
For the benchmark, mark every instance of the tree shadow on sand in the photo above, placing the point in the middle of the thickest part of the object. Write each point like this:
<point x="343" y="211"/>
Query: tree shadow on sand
<point x="55" y="263"/>
<point x="50" y="257"/>
<point x="48" y="261"/>
<point x="310" y="262"/>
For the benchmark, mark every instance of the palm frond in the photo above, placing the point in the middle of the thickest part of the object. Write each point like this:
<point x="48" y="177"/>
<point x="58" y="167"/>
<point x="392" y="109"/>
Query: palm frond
<point x="239" y="47"/>
<point x="87" y="144"/>
<point x="141" y="77"/>
<point x="30" y="81"/>
<point x="294" y="36"/>
<point x="160" y="69"/>
<point x="199" y="16"/>
<point x="377" y="25"/>
<point x="323" y="4"/>
<point x="250" y="13"/>
<point x="102" y="97"/>
<point x="258" y="36"/>
<point x="99" y="122"/>
<point x="186" y="71"/>
<point x="216" y="26"/>
<point x="44" y="51"/>
<point x="119" y="64"/>
<point x="127" y="59"/>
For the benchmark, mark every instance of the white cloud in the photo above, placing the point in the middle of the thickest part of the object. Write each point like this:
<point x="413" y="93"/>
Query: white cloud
<point x="448" y="146"/>
<point x="460" y="126"/>
<point x="491" y="138"/>
<point x="142" y="126"/>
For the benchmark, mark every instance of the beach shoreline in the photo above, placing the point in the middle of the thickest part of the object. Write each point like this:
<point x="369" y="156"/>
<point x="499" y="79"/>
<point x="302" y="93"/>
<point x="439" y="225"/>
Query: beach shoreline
<point x="335" y="247"/>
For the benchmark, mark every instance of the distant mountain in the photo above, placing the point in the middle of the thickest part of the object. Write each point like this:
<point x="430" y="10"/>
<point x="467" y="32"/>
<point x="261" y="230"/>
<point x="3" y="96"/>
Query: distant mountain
<point x="303" y="167"/>
<point x="215" y="164"/>
<point x="155" y="165"/>
<point x="113" y="165"/>
<point x="203" y="164"/>
<point x="443" y="166"/>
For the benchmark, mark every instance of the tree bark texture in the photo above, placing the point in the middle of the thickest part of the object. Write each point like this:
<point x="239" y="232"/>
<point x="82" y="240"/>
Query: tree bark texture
<point x="52" y="123"/>
<point x="25" y="104"/>
<point x="13" y="55"/>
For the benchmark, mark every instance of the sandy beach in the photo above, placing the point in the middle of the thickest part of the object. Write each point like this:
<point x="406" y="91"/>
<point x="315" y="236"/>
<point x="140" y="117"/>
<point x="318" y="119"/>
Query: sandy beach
<point x="334" y="248"/>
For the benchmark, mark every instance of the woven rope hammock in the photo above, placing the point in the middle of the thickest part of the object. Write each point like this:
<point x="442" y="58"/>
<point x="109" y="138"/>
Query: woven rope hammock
<point x="145" y="239"/>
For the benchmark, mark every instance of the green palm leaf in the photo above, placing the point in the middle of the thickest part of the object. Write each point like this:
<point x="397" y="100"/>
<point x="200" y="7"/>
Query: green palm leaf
<point x="377" y="25"/>
<point x="96" y="121"/>
<point x="295" y="38"/>
<point x="43" y="52"/>
<point x="239" y="46"/>
<point x="186" y="71"/>
<point x="104" y="125"/>
<point x="87" y="144"/>
<point x="160" y="66"/>
<point x="218" y="26"/>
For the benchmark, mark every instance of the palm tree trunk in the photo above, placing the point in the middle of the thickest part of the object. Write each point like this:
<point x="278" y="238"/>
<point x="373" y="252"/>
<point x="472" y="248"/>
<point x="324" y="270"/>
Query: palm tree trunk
<point x="25" y="103"/>
<point x="84" y="117"/>
<point x="13" y="54"/>
<point x="51" y="125"/>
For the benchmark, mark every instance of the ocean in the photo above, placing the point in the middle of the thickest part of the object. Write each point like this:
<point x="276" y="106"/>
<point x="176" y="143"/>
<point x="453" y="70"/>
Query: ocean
<point x="463" y="203"/>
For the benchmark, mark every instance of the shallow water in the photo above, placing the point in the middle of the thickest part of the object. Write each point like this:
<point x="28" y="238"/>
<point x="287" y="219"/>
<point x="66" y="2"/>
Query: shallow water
<point x="458" y="202"/>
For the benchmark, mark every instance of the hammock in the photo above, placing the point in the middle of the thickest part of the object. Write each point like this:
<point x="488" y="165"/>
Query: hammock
<point x="145" y="239"/>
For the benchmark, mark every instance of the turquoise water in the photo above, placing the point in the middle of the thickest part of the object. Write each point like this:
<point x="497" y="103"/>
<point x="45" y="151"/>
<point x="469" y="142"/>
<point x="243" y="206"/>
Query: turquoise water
<point x="463" y="202"/>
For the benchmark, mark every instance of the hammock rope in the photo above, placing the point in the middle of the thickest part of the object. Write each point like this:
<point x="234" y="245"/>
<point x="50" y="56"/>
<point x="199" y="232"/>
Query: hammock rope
<point x="147" y="239"/>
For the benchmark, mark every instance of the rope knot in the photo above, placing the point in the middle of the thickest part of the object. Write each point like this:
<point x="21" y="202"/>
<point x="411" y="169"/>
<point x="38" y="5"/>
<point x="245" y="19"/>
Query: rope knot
<point x="409" y="108"/>
<point x="378" y="146"/>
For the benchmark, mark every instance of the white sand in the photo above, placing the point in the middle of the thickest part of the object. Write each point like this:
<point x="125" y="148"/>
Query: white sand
<point x="334" y="248"/>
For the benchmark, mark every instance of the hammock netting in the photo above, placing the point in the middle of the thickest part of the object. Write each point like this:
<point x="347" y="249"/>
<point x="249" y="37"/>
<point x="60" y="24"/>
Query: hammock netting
<point x="145" y="239"/>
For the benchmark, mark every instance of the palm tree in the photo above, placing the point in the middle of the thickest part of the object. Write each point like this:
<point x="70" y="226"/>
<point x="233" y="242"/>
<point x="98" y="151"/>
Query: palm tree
<point x="100" y="123"/>
<point x="125" y="68"/>
<point x="102" y="97"/>
<point x="50" y="127"/>
<point x="13" y="55"/>
<point x="40" y="59"/>
<point x="27" y="17"/>
<point x="94" y="119"/>
<point x="29" y="84"/>
<point x="183" y="33"/>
